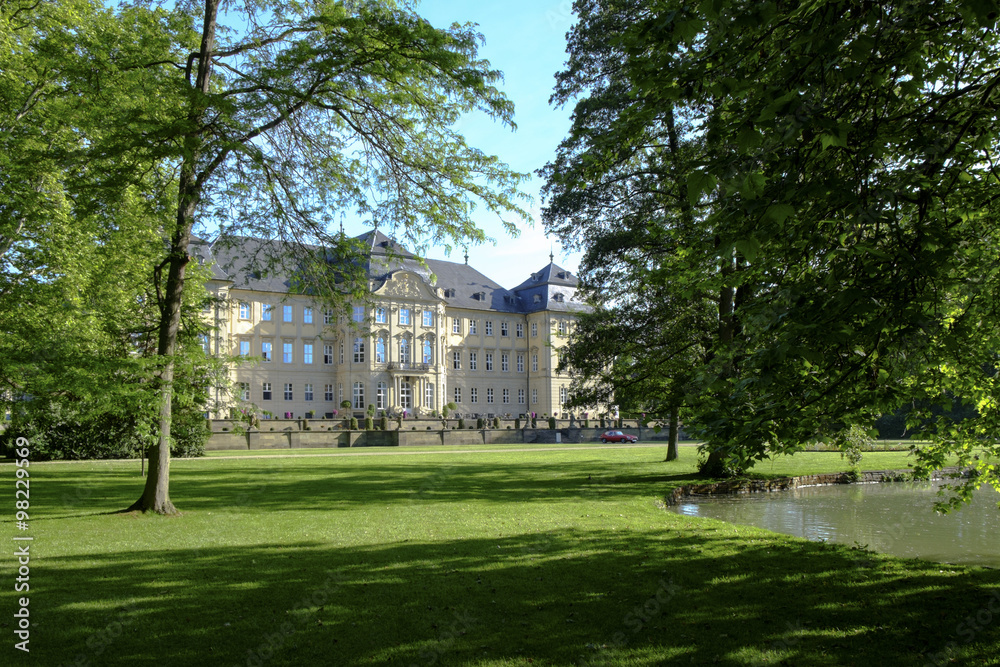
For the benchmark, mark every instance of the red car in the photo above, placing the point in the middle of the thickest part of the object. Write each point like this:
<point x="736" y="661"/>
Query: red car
<point x="617" y="436"/>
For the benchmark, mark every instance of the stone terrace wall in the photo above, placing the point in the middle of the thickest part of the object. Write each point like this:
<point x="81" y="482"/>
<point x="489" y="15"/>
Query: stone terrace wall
<point x="292" y="433"/>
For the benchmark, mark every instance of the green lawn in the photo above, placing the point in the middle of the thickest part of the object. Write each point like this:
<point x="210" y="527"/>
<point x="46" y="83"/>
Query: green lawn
<point x="547" y="557"/>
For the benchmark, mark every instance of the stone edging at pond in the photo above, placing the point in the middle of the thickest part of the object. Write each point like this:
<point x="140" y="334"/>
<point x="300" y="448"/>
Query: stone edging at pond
<point x="739" y="486"/>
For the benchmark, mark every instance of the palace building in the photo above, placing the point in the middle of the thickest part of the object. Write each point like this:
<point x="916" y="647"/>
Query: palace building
<point x="432" y="333"/>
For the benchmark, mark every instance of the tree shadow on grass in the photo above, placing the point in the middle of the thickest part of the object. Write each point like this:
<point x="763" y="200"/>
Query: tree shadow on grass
<point x="287" y="484"/>
<point x="562" y="597"/>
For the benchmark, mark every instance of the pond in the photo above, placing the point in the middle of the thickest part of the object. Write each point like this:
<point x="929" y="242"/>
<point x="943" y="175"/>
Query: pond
<point x="895" y="518"/>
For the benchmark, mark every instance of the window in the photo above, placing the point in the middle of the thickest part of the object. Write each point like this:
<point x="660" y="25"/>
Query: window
<point x="405" y="396"/>
<point x="307" y="353"/>
<point x="458" y="394"/>
<point x="473" y="327"/>
<point x="505" y="362"/>
<point x="380" y="315"/>
<point x="286" y="352"/>
<point x="520" y="396"/>
<point x="206" y="346"/>
<point x="308" y="391"/>
<point x="328" y="354"/>
<point x="340" y="393"/>
<point x="288" y="391"/>
<point x="381" y="395"/>
<point x="359" y="396"/>
<point x="428" y="318"/>
<point x="404" y="315"/>
<point x="380" y="350"/>
<point x="534" y="363"/>
<point x="359" y="350"/>
<point x="534" y="396"/>
<point x="456" y="325"/>
<point x="327" y="316"/>
<point x="506" y="396"/>
<point x="534" y="329"/>
<point x="244" y="348"/>
<point x="489" y="361"/>
<point x="265" y="350"/>
<point x="328" y="392"/>
<point x="473" y="360"/>
<point x="456" y="360"/>
<point x="562" y="327"/>
<point x="473" y="395"/>
<point x="489" y="394"/>
<point x="265" y="312"/>
<point x="358" y="314"/>
<point x="520" y="363"/>
<point x="244" y="310"/>
<point x="504" y="329"/>
<point x="307" y="315"/>
<point x="489" y="328"/>
<point x="286" y="313"/>
<point x="266" y="391"/>
<point x="519" y="330"/>
<point x="562" y="395"/>
<point x="429" y="395"/>
<point x="245" y="391"/>
<point x="428" y="349"/>
<point x="341" y="353"/>
<point x="404" y="350"/>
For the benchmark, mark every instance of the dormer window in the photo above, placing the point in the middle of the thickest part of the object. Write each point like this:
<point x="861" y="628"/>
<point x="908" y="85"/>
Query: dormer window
<point x="538" y="298"/>
<point x="562" y="275"/>
<point x="448" y="293"/>
<point x="557" y="297"/>
<point x="479" y="296"/>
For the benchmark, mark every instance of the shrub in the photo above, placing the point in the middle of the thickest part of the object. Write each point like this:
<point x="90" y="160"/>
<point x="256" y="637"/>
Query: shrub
<point x="369" y="423"/>
<point x="354" y="423"/>
<point x="384" y="423"/>
<point x="552" y="423"/>
<point x="479" y="423"/>
<point x="461" y="423"/>
<point x="517" y="423"/>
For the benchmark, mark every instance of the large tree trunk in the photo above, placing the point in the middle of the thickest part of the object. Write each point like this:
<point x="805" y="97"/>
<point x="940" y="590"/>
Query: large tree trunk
<point x="715" y="465"/>
<point x="674" y="428"/>
<point x="156" y="494"/>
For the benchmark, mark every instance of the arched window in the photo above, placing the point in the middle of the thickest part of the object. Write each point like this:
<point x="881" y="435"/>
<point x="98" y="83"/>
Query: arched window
<point x="428" y="352"/>
<point x="380" y="350"/>
<point x="404" y="350"/>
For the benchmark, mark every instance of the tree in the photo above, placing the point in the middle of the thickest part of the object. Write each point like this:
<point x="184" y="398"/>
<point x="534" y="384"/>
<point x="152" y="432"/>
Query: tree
<point x="840" y="174"/>
<point x="310" y="111"/>
<point x="78" y="241"/>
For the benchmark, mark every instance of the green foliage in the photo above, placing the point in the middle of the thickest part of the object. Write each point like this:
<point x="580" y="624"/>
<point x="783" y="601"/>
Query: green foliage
<point x="517" y="423"/>
<point x="384" y="423"/>
<point x="369" y="423"/>
<point x="354" y="423"/>
<point x="811" y="187"/>
<point x="461" y="423"/>
<point x="552" y="423"/>
<point x="480" y="424"/>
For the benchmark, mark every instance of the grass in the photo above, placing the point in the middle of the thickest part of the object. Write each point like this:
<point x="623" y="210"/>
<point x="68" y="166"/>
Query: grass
<point x="547" y="557"/>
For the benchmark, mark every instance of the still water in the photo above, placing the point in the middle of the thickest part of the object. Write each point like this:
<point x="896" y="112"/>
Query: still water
<point x="895" y="518"/>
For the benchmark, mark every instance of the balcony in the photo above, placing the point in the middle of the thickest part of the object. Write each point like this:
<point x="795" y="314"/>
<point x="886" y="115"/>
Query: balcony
<point x="406" y="366"/>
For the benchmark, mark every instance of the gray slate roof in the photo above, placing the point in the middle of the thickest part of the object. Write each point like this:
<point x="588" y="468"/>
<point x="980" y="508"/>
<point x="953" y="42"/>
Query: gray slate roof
<point x="247" y="263"/>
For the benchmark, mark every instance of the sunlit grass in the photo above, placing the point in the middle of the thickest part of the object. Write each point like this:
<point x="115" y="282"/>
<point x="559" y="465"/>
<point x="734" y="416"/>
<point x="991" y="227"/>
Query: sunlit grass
<point x="552" y="556"/>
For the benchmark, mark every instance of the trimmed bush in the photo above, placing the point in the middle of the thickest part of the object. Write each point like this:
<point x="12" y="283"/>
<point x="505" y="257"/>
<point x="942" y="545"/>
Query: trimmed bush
<point x="369" y="424"/>
<point x="384" y="423"/>
<point x="354" y="423"/>
<point x="479" y="423"/>
<point x="552" y="423"/>
<point x="461" y="423"/>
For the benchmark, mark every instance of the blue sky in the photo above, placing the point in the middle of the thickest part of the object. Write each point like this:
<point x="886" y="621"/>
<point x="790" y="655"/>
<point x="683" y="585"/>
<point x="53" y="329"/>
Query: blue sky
<point x="526" y="40"/>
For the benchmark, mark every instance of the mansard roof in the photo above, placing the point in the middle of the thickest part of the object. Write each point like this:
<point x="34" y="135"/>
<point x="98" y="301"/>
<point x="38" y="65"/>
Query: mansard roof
<point x="248" y="263"/>
<point x="552" y="288"/>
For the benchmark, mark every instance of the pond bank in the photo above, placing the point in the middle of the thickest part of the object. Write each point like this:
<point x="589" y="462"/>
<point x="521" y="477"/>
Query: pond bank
<point x="741" y="486"/>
